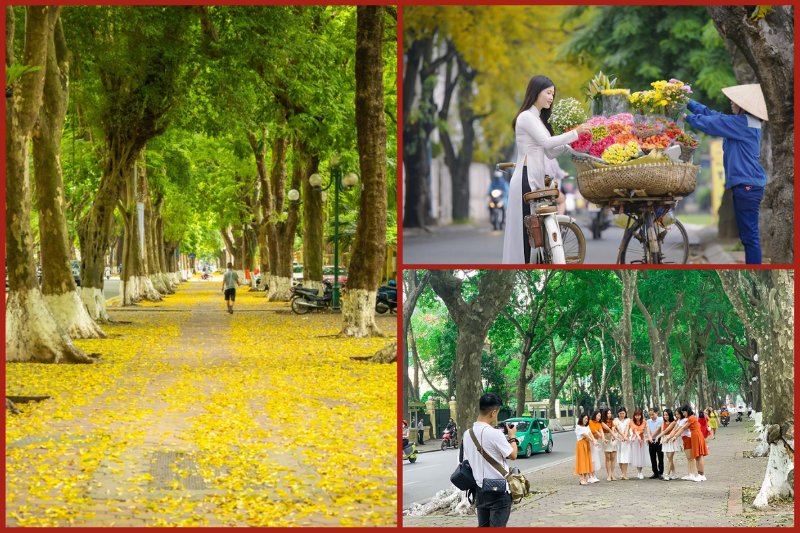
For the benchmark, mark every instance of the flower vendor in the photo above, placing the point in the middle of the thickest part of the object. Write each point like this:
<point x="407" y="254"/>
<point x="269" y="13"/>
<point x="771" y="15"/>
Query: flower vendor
<point x="741" y="146"/>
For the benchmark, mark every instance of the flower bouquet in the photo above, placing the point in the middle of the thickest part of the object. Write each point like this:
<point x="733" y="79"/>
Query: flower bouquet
<point x="615" y="101"/>
<point x="566" y="114"/>
<point x="688" y="144"/>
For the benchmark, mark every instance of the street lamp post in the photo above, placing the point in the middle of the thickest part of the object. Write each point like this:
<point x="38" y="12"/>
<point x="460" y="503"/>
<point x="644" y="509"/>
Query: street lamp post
<point x="339" y="184"/>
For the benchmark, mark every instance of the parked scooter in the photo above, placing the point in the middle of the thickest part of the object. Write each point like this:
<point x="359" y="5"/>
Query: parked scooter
<point x="305" y="299"/>
<point x="386" y="299"/>
<point x="449" y="439"/>
<point x="410" y="452"/>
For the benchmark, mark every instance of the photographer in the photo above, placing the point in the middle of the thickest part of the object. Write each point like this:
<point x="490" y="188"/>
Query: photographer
<point x="494" y="507"/>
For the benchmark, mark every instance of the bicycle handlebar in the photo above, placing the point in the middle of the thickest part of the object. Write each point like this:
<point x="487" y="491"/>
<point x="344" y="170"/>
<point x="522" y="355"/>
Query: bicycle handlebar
<point x="501" y="166"/>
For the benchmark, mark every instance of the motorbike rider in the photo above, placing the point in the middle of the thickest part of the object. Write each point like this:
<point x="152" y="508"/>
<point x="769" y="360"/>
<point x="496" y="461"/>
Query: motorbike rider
<point x="452" y="429"/>
<point x="405" y="433"/>
<point x="499" y="183"/>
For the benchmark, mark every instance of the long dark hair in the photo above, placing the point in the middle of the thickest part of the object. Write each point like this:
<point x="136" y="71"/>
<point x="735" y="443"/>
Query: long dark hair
<point x="641" y="417"/>
<point x="670" y="416"/>
<point x="535" y="86"/>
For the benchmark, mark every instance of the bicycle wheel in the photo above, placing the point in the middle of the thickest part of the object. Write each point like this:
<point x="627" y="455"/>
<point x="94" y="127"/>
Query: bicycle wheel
<point x="573" y="241"/>
<point x="634" y="246"/>
<point x="674" y="243"/>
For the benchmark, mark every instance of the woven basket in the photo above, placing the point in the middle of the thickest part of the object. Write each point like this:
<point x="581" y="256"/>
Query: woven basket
<point x="654" y="179"/>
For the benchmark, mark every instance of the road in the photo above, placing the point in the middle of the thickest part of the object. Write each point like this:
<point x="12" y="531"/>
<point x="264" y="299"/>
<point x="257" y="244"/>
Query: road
<point x="477" y="245"/>
<point x="111" y="287"/>
<point x="431" y="473"/>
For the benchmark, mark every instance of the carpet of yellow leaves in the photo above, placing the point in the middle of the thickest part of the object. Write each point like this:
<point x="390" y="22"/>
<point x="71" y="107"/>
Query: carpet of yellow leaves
<point x="281" y="425"/>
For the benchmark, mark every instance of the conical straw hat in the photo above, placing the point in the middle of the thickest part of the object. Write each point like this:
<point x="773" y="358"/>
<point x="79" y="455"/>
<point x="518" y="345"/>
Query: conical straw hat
<point x="748" y="97"/>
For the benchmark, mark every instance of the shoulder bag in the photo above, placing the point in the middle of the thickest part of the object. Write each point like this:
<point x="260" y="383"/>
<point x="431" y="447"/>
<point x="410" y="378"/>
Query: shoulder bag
<point x="520" y="487"/>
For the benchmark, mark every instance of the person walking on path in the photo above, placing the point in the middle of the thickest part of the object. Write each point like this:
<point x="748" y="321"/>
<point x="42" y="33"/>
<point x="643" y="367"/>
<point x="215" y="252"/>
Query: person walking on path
<point x="713" y="421"/>
<point x="535" y="141"/>
<point x="583" y="453"/>
<point x="229" y="283"/>
<point x="610" y="443"/>
<point x="420" y="431"/>
<point x="654" y="423"/>
<point x="741" y="150"/>
<point x="623" y="426"/>
<point x="638" y="443"/>
<point x="701" y="417"/>
<point x="596" y="427"/>
<point x="494" y="507"/>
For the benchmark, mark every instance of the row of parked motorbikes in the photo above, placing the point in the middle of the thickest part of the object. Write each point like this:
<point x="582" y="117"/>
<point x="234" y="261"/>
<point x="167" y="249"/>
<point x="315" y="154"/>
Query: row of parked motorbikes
<point x="305" y="299"/>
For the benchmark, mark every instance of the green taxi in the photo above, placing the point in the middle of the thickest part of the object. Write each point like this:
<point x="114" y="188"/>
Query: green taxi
<point x="533" y="434"/>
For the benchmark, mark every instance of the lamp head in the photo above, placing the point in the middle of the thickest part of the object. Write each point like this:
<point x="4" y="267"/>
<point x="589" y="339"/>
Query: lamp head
<point x="315" y="180"/>
<point x="350" y="180"/>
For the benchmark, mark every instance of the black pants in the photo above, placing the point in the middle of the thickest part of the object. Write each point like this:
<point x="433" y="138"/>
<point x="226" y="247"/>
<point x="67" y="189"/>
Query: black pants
<point x="493" y="509"/>
<point x="656" y="458"/>
<point x="526" y="210"/>
<point x="419" y="436"/>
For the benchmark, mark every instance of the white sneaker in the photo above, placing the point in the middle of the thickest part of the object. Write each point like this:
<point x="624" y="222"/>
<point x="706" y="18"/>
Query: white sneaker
<point x="696" y="478"/>
<point x="641" y="476"/>
<point x="665" y="478"/>
<point x="702" y="478"/>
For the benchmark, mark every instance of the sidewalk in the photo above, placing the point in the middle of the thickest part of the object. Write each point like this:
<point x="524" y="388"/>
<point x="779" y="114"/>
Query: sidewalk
<point x="195" y="417"/>
<point x="559" y="500"/>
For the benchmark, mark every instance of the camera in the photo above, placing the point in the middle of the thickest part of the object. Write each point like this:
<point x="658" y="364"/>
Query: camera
<point x="504" y="427"/>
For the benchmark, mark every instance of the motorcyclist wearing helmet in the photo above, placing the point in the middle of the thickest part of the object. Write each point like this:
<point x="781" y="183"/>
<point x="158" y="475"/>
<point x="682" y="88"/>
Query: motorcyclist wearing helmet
<point x="498" y="191"/>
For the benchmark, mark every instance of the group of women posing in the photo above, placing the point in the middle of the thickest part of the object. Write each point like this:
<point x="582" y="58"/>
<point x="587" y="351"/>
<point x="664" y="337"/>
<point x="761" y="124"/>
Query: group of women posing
<point x="603" y="439"/>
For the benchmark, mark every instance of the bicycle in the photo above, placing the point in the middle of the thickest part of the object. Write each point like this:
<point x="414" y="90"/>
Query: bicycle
<point x="556" y="238"/>
<point x="652" y="235"/>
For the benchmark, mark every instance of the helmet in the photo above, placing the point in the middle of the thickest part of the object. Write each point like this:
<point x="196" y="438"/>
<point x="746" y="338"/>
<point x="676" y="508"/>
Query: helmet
<point x="392" y="283"/>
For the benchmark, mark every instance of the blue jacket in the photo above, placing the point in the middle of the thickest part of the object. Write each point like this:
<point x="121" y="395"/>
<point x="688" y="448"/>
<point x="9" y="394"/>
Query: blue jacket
<point x="741" y="145"/>
<point x="499" y="183"/>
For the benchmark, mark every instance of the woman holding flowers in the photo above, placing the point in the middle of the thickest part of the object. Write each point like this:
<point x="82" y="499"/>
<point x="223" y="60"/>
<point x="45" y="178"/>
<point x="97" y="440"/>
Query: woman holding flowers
<point x="535" y="141"/>
<point x="741" y="147"/>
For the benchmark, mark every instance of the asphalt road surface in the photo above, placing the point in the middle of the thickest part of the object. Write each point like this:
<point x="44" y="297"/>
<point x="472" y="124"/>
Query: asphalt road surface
<point x="431" y="473"/>
<point x="111" y="287"/>
<point x="470" y="245"/>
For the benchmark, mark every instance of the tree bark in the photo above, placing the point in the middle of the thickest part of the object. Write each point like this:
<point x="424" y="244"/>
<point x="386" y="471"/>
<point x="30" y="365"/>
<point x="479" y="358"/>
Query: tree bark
<point x="768" y="46"/>
<point x="622" y="333"/>
<point x="473" y="320"/>
<point x="369" y="249"/>
<point x="32" y="334"/>
<point x="58" y="284"/>
<point x="764" y="302"/>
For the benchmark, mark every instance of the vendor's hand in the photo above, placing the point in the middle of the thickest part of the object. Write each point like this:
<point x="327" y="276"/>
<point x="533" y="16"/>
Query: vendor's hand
<point x="584" y="128"/>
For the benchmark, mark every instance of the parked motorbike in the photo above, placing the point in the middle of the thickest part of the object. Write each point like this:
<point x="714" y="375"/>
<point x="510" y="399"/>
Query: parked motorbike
<point x="410" y="452"/>
<point x="449" y="439"/>
<point x="386" y="299"/>
<point x="305" y="299"/>
<point x="205" y="276"/>
<point x="497" y="209"/>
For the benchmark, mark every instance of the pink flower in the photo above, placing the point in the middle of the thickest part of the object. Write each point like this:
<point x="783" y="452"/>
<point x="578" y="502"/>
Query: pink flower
<point x="600" y="146"/>
<point x="621" y="118"/>
<point x="597" y="121"/>
<point x="583" y="143"/>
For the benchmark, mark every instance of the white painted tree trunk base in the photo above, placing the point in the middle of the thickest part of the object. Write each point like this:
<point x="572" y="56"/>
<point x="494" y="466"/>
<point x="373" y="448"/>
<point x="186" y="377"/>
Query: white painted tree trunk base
<point x="95" y="303"/>
<point x="32" y="334"/>
<point x="358" y="312"/>
<point x="71" y="316"/>
<point x="452" y="501"/>
<point x="161" y="283"/>
<point x="780" y="470"/>
<point x="139" y="288"/>
<point x="316" y="285"/>
<point x="280" y="289"/>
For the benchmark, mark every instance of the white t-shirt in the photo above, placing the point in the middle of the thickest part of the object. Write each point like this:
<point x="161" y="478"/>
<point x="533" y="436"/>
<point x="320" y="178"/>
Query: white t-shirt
<point x="580" y="431"/>
<point x="494" y="443"/>
<point x="682" y="422"/>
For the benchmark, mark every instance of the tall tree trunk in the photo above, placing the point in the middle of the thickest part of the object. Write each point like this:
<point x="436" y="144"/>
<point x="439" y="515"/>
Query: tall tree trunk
<point x="136" y="282"/>
<point x="473" y="320"/>
<point x="622" y="333"/>
<point x="313" y="235"/>
<point x="285" y="229"/>
<point x="58" y="284"/>
<point x="32" y="334"/>
<point x="764" y="302"/>
<point x="369" y="250"/>
<point x="768" y="46"/>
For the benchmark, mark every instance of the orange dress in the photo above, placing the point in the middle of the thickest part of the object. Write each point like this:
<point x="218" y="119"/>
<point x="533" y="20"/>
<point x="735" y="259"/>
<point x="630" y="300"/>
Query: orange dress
<point x="583" y="453"/>
<point x="698" y="441"/>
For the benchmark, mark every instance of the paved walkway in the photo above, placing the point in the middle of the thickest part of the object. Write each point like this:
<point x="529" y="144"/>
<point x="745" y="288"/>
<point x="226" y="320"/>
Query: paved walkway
<point x="197" y="417"/>
<point x="560" y="500"/>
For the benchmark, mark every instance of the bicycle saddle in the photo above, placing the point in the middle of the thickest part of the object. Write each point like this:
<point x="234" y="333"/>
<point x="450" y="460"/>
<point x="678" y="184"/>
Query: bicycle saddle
<point x="539" y="194"/>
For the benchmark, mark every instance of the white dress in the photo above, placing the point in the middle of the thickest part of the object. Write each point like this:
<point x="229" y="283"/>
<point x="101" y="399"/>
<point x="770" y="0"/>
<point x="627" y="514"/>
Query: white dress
<point x="669" y="447"/>
<point x="623" y="447"/>
<point x="535" y="143"/>
<point x="597" y="455"/>
<point x="640" y="456"/>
